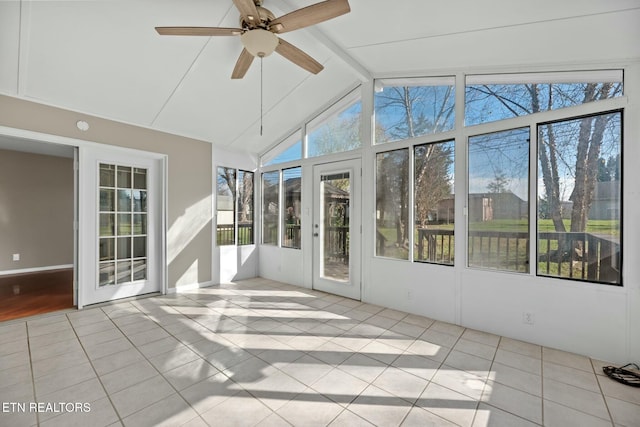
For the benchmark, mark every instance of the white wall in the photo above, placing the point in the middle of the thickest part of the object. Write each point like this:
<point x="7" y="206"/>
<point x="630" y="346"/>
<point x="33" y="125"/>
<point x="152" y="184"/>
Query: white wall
<point x="233" y="262"/>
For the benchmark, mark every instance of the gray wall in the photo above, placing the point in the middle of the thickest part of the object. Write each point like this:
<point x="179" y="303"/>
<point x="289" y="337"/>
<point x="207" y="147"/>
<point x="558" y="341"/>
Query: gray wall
<point x="189" y="178"/>
<point x="36" y="210"/>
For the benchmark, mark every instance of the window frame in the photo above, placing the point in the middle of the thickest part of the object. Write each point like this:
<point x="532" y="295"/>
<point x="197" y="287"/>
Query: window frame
<point x="283" y="196"/>
<point x="529" y="204"/>
<point x="235" y="204"/>
<point x="535" y="231"/>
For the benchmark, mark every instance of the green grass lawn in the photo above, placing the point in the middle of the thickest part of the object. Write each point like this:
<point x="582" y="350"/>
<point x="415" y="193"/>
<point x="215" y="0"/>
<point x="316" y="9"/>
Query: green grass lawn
<point x="611" y="227"/>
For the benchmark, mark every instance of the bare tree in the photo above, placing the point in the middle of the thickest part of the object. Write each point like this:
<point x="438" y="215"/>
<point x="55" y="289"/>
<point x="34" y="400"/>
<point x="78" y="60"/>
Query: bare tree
<point x="413" y="111"/>
<point x="554" y="151"/>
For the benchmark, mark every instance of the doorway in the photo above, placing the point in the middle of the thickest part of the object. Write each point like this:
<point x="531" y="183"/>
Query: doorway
<point x="337" y="228"/>
<point x="37" y="197"/>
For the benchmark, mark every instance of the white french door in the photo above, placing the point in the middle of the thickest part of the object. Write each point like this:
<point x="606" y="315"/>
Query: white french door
<point x="121" y="216"/>
<point x="337" y="228"/>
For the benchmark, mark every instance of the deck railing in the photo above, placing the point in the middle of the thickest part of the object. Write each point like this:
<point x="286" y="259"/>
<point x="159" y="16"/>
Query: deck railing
<point x="292" y="236"/>
<point x="573" y="255"/>
<point x="225" y="234"/>
<point x="435" y="245"/>
<point x="505" y="250"/>
<point x="336" y="243"/>
<point x="579" y="255"/>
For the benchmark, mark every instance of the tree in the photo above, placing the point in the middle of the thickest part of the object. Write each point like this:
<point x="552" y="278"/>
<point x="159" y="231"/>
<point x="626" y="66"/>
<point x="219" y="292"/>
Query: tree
<point x="575" y="148"/>
<point x="245" y="204"/>
<point x="338" y="134"/>
<point x="432" y="180"/>
<point x="500" y="184"/>
<point x="404" y="112"/>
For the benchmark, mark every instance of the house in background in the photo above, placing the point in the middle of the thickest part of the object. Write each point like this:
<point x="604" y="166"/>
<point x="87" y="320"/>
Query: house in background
<point x="494" y="206"/>
<point x="606" y="198"/>
<point x="96" y="76"/>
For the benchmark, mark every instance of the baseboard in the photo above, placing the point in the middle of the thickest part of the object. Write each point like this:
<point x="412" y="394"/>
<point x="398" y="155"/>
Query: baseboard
<point x="192" y="286"/>
<point x="36" y="269"/>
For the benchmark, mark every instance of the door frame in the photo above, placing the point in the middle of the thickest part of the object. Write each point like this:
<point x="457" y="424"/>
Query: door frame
<point x="90" y="158"/>
<point x="353" y="289"/>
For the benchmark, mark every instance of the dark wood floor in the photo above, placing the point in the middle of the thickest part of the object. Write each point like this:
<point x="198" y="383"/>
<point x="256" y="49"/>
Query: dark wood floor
<point x="27" y="294"/>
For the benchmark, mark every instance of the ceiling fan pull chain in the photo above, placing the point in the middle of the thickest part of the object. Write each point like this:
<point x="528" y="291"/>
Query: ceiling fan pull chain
<point x="261" y="90"/>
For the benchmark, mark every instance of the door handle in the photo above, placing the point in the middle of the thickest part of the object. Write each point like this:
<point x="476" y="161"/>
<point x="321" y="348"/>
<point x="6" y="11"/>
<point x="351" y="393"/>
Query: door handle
<point x="315" y="234"/>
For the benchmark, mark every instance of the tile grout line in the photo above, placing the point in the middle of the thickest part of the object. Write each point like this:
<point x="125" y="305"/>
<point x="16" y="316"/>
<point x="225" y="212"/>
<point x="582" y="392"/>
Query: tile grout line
<point x="542" y="382"/>
<point x="604" y="398"/>
<point x="33" y="378"/>
<point x="486" y="384"/>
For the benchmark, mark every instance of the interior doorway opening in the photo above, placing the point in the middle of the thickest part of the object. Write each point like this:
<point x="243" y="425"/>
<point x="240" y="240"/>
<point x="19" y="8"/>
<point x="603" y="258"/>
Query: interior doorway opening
<point x="37" y="236"/>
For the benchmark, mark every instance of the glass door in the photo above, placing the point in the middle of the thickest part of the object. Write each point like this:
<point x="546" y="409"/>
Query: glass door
<point x="336" y="228"/>
<point x="123" y="225"/>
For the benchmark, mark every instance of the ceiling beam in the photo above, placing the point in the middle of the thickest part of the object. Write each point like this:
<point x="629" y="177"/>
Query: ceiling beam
<point x="363" y="73"/>
<point x="23" y="47"/>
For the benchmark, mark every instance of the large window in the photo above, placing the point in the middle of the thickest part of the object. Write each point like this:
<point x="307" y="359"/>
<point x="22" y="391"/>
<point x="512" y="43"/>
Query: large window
<point x="498" y="204"/>
<point x="392" y="204"/>
<point x="409" y="108"/>
<point x="234" y="202"/>
<point x="338" y="129"/>
<point x="579" y="202"/>
<point x="292" y="213"/>
<point x="270" y="207"/>
<point x="497" y="97"/>
<point x="434" y="202"/>
<point x="288" y="150"/>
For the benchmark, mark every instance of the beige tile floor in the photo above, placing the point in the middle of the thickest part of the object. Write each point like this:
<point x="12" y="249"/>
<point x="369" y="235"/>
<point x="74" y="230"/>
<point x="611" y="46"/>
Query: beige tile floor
<point x="263" y="353"/>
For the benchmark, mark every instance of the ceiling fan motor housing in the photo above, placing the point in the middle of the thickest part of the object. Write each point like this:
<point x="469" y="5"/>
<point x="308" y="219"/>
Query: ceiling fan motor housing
<point x="262" y="21"/>
<point x="259" y="42"/>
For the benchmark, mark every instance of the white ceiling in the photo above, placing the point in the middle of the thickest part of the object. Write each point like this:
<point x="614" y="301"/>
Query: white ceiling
<point x="103" y="57"/>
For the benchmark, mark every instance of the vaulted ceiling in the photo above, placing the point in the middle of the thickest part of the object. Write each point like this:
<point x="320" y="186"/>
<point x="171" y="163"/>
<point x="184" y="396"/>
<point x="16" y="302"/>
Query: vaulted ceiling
<point x="104" y="57"/>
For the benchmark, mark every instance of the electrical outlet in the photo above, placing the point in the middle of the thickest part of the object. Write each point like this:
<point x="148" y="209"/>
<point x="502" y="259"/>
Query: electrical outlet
<point x="409" y="295"/>
<point x="16" y="257"/>
<point x="528" y="318"/>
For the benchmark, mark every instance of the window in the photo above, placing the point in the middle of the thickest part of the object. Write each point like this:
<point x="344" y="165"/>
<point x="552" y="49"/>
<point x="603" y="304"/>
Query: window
<point x="245" y="208"/>
<point x="392" y="204"/>
<point x="498" y="204"/>
<point x="497" y="97"/>
<point x="408" y="108"/>
<point x="292" y="150"/>
<point x="225" y="202"/>
<point x="270" y="207"/>
<point x="123" y="224"/>
<point x="234" y="204"/>
<point x="292" y="215"/>
<point x="434" y="202"/>
<point x="579" y="198"/>
<point x="338" y="129"/>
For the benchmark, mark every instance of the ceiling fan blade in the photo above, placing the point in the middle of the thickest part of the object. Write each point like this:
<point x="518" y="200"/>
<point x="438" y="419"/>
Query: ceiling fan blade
<point x="198" y="31"/>
<point x="298" y="57"/>
<point x="248" y="11"/>
<point x="310" y="15"/>
<point x="242" y="65"/>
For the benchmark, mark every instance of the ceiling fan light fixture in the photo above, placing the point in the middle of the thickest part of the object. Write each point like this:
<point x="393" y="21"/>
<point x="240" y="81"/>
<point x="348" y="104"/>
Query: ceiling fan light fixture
<point x="259" y="42"/>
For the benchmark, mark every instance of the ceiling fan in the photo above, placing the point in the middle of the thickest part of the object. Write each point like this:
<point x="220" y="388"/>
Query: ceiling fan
<point x="259" y="28"/>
